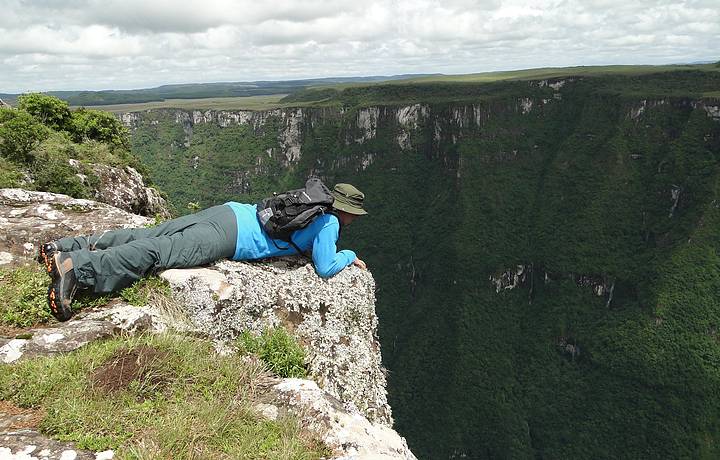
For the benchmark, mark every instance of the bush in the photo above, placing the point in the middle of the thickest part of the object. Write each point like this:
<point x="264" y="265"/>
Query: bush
<point x="57" y="176"/>
<point x="100" y="126"/>
<point x="10" y="174"/>
<point x="20" y="133"/>
<point x="279" y="350"/>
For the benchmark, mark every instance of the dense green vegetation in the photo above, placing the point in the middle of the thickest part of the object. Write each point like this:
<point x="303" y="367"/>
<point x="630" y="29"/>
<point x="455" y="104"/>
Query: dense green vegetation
<point x="671" y="82"/>
<point x="40" y="137"/>
<point x="609" y="181"/>
<point x="151" y="397"/>
<point x="204" y="165"/>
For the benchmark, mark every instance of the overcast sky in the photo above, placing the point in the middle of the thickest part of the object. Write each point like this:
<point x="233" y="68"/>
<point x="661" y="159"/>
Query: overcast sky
<point x="120" y="44"/>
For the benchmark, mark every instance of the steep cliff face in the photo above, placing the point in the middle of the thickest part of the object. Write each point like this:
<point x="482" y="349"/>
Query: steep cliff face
<point x="545" y="254"/>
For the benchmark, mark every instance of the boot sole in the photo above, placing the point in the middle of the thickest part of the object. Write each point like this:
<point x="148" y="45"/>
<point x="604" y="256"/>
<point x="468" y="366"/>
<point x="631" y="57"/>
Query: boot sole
<point x="58" y="310"/>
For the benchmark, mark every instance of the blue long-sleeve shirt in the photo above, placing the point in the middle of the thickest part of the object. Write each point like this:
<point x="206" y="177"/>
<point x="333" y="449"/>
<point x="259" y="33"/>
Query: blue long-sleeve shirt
<point x="320" y="237"/>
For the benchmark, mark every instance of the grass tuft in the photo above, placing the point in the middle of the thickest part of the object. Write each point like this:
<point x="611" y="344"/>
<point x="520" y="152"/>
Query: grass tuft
<point x="278" y="349"/>
<point x="25" y="292"/>
<point x="142" y="292"/>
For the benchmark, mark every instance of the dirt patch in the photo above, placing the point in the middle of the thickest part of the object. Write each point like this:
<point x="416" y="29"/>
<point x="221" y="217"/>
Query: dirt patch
<point x="13" y="417"/>
<point x="140" y="369"/>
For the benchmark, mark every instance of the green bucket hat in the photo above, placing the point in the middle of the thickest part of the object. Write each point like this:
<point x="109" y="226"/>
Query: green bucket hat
<point x="348" y="199"/>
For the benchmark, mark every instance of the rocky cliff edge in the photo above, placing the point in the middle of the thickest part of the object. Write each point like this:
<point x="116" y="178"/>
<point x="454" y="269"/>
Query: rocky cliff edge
<point x="345" y="403"/>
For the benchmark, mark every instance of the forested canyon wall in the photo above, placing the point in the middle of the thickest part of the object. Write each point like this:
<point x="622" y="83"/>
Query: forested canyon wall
<point x="546" y="255"/>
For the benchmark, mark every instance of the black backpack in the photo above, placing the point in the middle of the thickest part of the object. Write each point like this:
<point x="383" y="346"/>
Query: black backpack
<point x="282" y="214"/>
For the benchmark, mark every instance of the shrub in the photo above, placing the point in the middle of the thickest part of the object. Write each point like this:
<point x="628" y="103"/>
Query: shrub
<point x="57" y="176"/>
<point x="99" y="126"/>
<point x="10" y="174"/>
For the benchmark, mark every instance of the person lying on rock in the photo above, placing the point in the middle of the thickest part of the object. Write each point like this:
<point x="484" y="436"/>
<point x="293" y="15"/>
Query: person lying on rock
<point x="114" y="259"/>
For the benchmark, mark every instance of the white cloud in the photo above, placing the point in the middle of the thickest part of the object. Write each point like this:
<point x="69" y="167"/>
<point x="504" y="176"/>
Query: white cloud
<point x="100" y="44"/>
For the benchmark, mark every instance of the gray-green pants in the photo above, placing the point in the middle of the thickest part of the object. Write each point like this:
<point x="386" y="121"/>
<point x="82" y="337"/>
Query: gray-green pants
<point x="115" y="259"/>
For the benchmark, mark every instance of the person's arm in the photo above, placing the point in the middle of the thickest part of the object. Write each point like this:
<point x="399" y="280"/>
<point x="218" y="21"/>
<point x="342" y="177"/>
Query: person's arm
<point x="328" y="261"/>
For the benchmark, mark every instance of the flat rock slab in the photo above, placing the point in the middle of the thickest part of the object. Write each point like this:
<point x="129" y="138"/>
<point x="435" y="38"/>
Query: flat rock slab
<point x="29" y="218"/>
<point x="31" y="445"/>
<point x="69" y="336"/>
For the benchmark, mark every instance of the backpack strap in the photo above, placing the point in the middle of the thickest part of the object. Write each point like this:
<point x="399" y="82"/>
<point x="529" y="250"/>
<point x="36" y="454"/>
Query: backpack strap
<point x="297" y="248"/>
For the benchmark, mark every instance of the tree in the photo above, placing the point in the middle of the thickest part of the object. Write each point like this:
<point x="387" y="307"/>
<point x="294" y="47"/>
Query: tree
<point x="20" y="133"/>
<point x="48" y="110"/>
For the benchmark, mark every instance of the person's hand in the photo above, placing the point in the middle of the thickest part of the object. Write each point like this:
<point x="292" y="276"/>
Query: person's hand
<point x="359" y="263"/>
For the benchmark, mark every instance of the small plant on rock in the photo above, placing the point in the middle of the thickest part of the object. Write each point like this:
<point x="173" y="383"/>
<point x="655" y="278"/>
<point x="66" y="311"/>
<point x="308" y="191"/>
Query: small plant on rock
<point x="278" y="349"/>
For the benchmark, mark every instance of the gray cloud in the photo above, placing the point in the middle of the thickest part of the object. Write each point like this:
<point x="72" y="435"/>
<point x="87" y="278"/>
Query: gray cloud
<point x="94" y="44"/>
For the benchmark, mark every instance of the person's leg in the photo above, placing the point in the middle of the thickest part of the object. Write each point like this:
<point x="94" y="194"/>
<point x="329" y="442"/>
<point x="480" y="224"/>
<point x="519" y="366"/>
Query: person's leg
<point x="117" y="237"/>
<point x="106" y="270"/>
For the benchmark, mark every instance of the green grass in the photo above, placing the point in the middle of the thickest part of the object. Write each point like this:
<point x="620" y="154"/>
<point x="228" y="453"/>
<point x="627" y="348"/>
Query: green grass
<point x="215" y="103"/>
<point x="278" y="349"/>
<point x="24" y="291"/>
<point x="558" y="72"/>
<point x="183" y="402"/>
<point x="277" y="100"/>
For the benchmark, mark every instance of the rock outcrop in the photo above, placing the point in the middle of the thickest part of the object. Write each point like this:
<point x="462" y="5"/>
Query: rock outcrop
<point x="348" y="434"/>
<point x="85" y="328"/>
<point x="334" y="319"/>
<point x="346" y="404"/>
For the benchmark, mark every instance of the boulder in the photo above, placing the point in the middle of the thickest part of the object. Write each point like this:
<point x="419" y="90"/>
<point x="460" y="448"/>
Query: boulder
<point x="125" y="189"/>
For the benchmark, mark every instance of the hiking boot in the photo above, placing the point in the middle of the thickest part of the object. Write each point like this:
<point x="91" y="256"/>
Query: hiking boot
<point x="46" y="253"/>
<point x="63" y="286"/>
